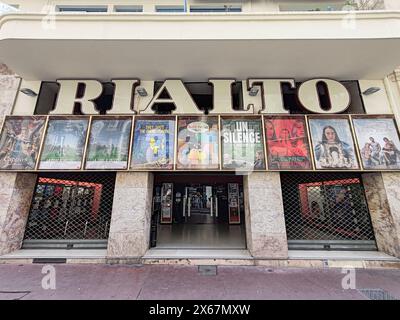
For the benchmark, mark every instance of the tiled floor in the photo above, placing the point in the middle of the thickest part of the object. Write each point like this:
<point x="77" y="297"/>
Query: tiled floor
<point x="201" y="236"/>
<point x="197" y="254"/>
<point x="342" y="255"/>
<point x="56" y="253"/>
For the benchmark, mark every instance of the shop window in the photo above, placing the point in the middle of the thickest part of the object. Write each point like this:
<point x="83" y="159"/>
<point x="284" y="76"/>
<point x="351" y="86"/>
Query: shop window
<point x="216" y="9"/>
<point x="8" y="8"/>
<point x="313" y="5"/>
<point x="169" y="9"/>
<point x="128" y="8"/>
<point x="69" y="207"/>
<point x="87" y="9"/>
<point x="324" y="210"/>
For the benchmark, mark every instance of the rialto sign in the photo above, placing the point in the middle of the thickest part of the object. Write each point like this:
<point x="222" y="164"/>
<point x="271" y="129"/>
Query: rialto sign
<point x="132" y="96"/>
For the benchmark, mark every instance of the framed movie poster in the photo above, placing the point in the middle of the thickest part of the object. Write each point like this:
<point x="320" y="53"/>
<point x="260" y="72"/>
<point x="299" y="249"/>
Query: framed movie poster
<point x="378" y="142"/>
<point x="332" y="143"/>
<point x="242" y="144"/>
<point x="64" y="144"/>
<point x="153" y="143"/>
<point x="197" y="143"/>
<point x="287" y="143"/>
<point x="233" y="203"/>
<point x="108" y="143"/>
<point x="20" y="142"/>
<point x="167" y="191"/>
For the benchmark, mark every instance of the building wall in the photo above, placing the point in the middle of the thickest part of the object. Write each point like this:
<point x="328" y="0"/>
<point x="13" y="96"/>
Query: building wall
<point x="247" y="6"/>
<point x="129" y="231"/>
<point x="16" y="189"/>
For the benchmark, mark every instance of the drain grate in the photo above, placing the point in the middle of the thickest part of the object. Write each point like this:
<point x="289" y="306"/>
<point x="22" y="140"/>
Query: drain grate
<point x="376" y="294"/>
<point x="208" y="270"/>
<point x="49" y="260"/>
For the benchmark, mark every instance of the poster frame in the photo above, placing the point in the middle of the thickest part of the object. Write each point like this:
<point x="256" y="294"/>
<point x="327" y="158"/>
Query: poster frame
<point x="65" y="117"/>
<point x="88" y="118"/>
<point x="358" y="144"/>
<point x="241" y="117"/>
<point x="87" y="144"/>
<point x="333" y="116"/>
<point x="217" y="117"/>
<point x="150" y="118"/>
<point x="3" y="127"/>
<point x="307" y="137"/>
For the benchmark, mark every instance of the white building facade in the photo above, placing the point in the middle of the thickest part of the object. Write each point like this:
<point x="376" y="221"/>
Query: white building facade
<point x="236" y="132"/>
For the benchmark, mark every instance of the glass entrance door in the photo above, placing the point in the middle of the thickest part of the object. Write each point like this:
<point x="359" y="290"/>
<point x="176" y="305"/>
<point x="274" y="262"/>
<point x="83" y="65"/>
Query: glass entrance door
<point x="200" y="205"/>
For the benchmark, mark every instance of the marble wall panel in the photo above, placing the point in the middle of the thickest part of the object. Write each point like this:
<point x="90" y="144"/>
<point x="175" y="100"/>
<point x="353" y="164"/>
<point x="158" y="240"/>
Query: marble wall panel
<point x="265" y="221"/>
<point x="383" y="196"/>
<point x="16" y="191"/>
<point x="8" y="90"/>
<point x="131" y="216"/>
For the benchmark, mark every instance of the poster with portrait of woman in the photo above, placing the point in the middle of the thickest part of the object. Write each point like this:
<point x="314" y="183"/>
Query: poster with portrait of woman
<point x="287" y="143"/>
<point x="20" y="141"/>
<point x="378" y="142"/>
<point x="197" y="143"/>
<point x="332" y="143"/>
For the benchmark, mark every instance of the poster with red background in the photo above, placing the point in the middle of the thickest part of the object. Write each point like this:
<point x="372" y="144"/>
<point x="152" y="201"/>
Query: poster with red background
<point x="287" y="143"/>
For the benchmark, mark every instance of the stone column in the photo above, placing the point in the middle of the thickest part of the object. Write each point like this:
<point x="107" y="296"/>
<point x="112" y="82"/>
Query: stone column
<point x="131" y="214"/>
<point x="16" y="191"/>
<point x="383" y="196"/>
<point x="265" y="221"/>
<point x="9" y="85"/>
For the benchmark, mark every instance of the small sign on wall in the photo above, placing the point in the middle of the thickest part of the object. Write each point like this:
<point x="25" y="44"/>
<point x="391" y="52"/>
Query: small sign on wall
<point x="233" y="203"/>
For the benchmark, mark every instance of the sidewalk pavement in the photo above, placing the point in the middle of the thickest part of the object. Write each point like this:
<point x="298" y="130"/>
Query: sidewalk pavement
<point x="148" y="282"/>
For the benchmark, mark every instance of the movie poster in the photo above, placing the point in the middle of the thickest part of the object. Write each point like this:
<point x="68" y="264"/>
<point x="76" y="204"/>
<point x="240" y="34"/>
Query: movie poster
<point x="287" y="143"/>
<point x="20" y="142"/>
<point x="233" y="203"/>
<point x="64" y="144"/>
<point x="242" y="144"/>
<point x="153" y="146"/>
<point x="333" y="143"/>
<point x="108" y="144"/>
<point x="378" y="142"/>
<point x="197" y="143"/>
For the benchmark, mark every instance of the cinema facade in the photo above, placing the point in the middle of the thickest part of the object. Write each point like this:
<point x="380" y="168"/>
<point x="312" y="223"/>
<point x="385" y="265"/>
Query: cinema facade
<point x="218" y="161"/>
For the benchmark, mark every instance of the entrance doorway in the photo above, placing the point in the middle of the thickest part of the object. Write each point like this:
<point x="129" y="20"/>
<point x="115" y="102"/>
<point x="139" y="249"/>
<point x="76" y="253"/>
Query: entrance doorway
<point x="201" y="211"/>
<point x="199" y="204"/>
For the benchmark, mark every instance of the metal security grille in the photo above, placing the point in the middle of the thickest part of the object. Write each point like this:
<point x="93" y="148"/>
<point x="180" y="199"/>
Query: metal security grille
<point x="326" y="211"/>
<point x="70" y="208"/>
